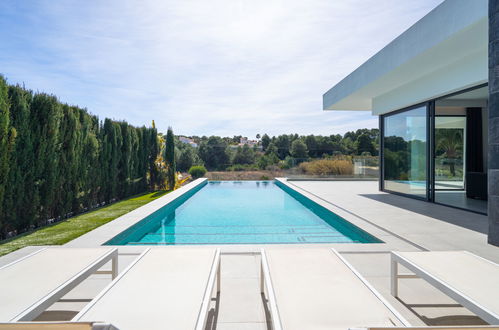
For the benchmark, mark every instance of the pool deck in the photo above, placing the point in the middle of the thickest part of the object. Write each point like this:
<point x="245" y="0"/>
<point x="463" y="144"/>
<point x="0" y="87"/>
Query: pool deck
<point x="403" y="224"/>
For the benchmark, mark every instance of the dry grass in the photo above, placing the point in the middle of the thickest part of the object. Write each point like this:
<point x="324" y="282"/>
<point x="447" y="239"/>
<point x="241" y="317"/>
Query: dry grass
<point x="244" y="175"/>
<point x="328" y="167"/>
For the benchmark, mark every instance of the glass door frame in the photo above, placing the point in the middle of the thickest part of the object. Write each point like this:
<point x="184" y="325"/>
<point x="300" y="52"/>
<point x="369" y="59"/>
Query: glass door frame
<point x="427" y="105"/>
<point x="430" y="148"/>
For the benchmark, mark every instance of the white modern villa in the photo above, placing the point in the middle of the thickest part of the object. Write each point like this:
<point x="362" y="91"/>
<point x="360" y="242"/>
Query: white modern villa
<point x="429" y="88"/>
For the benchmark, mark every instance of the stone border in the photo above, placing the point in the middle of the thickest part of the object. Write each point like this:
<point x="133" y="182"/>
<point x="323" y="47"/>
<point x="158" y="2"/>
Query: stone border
<point x="104" y="233"/>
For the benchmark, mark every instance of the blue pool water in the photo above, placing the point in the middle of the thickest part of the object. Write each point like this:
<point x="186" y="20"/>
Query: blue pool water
<point x="247" y="212"/>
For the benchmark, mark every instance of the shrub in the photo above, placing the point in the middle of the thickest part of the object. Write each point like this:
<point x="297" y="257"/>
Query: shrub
<point x="197" y="171"/>
<point x="328" y="167"/>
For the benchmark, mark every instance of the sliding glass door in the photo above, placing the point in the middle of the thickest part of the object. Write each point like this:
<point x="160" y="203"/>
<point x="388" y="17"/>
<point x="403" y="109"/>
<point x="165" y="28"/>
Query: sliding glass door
<point x="405" y="136"/>
<point x="438" y="151"/>
<point x="460" y="154"/>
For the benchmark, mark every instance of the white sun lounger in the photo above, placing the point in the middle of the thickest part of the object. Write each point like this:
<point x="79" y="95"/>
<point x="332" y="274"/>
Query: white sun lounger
<point x="164" y="288"/>
<point x="313" y="288"/>
<point x="56" y="326"/>
<point x="469" y="279"/>
<point x="31" y="284"/>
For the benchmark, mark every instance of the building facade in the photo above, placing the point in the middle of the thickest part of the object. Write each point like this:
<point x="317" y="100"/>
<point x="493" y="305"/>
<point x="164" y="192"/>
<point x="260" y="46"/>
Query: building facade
<point x="430" y="88"/>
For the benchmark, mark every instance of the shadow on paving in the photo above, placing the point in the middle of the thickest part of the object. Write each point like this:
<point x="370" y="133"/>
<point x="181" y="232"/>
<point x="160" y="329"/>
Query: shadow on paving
<point x="448" y="320"/>
<point x="465" y="219"/>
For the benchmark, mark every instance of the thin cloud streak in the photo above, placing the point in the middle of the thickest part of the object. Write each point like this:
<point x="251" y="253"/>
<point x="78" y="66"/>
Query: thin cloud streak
<point x="204" y="67"/>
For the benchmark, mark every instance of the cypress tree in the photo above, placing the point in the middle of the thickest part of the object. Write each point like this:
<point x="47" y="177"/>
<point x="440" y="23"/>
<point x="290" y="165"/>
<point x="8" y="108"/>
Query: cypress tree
<point x="153" y="149"/>
<point x="56" y="159"/>
<point x="46" y="122"/>
<point x="170" y="158"/>
<point x="19" y="195"/>
<point x="4" y="142"/>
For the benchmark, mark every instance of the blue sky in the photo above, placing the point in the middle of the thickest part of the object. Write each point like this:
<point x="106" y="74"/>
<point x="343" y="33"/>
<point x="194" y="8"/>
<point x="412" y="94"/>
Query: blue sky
<point x="217" y="67"/>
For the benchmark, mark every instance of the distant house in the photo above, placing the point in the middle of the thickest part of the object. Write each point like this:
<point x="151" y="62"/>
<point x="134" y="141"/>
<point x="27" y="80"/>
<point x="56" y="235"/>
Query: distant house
<point x="186" y="140"/>
<point x="250" y="143"/>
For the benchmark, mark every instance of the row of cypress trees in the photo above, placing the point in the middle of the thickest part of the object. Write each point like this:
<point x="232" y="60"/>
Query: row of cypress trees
<point x="57" y="160"/>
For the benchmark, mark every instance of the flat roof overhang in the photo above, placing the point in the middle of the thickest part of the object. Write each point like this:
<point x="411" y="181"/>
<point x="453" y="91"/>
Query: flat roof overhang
<point x="444" y="52"/>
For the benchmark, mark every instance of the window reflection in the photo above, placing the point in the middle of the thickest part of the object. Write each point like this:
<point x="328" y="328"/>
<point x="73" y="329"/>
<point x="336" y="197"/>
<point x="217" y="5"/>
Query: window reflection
<point x="405" y="152"/>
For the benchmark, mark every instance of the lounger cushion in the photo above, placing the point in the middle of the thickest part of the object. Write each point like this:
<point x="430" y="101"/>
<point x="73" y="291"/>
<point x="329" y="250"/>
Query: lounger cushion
<point x="316" y="290"/>
<point x="163" y="290"/>
<point x="24" y="283"/>
<point x="51" y="326"/>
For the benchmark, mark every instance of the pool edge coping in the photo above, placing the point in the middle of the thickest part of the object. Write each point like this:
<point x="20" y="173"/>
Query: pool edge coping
<point x="374" y="231"/>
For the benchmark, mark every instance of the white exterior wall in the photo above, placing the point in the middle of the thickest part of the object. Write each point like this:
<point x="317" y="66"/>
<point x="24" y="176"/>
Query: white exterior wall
<point x="469" y="72"/>
<point x="444" y="52"/>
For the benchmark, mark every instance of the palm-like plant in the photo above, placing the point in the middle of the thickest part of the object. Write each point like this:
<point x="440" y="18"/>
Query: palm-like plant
<point x="450" y="141"/>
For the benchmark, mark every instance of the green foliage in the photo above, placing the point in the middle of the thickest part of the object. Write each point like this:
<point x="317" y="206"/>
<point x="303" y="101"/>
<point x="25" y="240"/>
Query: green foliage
<point x="299" y="149"/>
<point x="197" y="171"/>
<point x="57" y="160"/>
<point x="265" y="141"/>
<point x="271" y="149"/>
<point x="4" y="142"/>
<point x="365" y="144"/>
<point x="244" y="155"/>
<point x="267" y="160"/>
<point x="186" y="156"/>
<point x="220" y="153"/>
<point x="283" y="145"/>
<point x="214" y="154"/>
<point x="449" y="147"/>
<point x="185" y="160"/>
<point x="288" y="163"/>
<point x="170" y="159"/>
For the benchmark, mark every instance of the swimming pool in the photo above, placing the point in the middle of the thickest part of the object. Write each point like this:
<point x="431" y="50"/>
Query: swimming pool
<point x="242" y="212"/>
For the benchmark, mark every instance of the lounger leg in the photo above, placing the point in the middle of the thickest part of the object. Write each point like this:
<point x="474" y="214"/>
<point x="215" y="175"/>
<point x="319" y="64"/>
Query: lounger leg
<point x="262" y="280"/>
<point x="114" y="266"/>
<point x="219" y="275"/>
<point x="394" y="277"/>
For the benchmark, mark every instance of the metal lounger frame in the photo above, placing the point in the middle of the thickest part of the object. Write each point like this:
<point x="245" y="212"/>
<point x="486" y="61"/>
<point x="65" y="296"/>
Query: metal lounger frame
<point x="454" y="293"/>
<point x="41" y="305"/>
<point x="205" y="305"/>
<point x="266" y="283"/>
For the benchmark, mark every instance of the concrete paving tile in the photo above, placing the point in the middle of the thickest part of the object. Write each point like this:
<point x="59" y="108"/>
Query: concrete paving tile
<point x="240" y="301"/>
<point x="242" y="326"/>
<point x="239" y="266"/>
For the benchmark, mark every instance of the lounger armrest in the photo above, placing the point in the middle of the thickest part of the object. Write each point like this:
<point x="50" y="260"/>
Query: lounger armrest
<point x="214" y="276"/>
<point x="266" y="283"/>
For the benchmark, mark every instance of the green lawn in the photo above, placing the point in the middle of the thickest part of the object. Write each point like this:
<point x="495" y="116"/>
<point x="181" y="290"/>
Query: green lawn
<point x="74" y="227"/>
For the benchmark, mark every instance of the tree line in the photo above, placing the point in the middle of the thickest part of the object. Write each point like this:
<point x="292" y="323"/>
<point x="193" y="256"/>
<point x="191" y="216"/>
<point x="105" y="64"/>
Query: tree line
<point x="222" y="153"/>
<point x="57" y="160"/>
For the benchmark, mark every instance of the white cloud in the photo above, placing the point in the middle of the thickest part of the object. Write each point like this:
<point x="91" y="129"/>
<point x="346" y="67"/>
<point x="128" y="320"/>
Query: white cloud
<point x="204" y="67"/>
